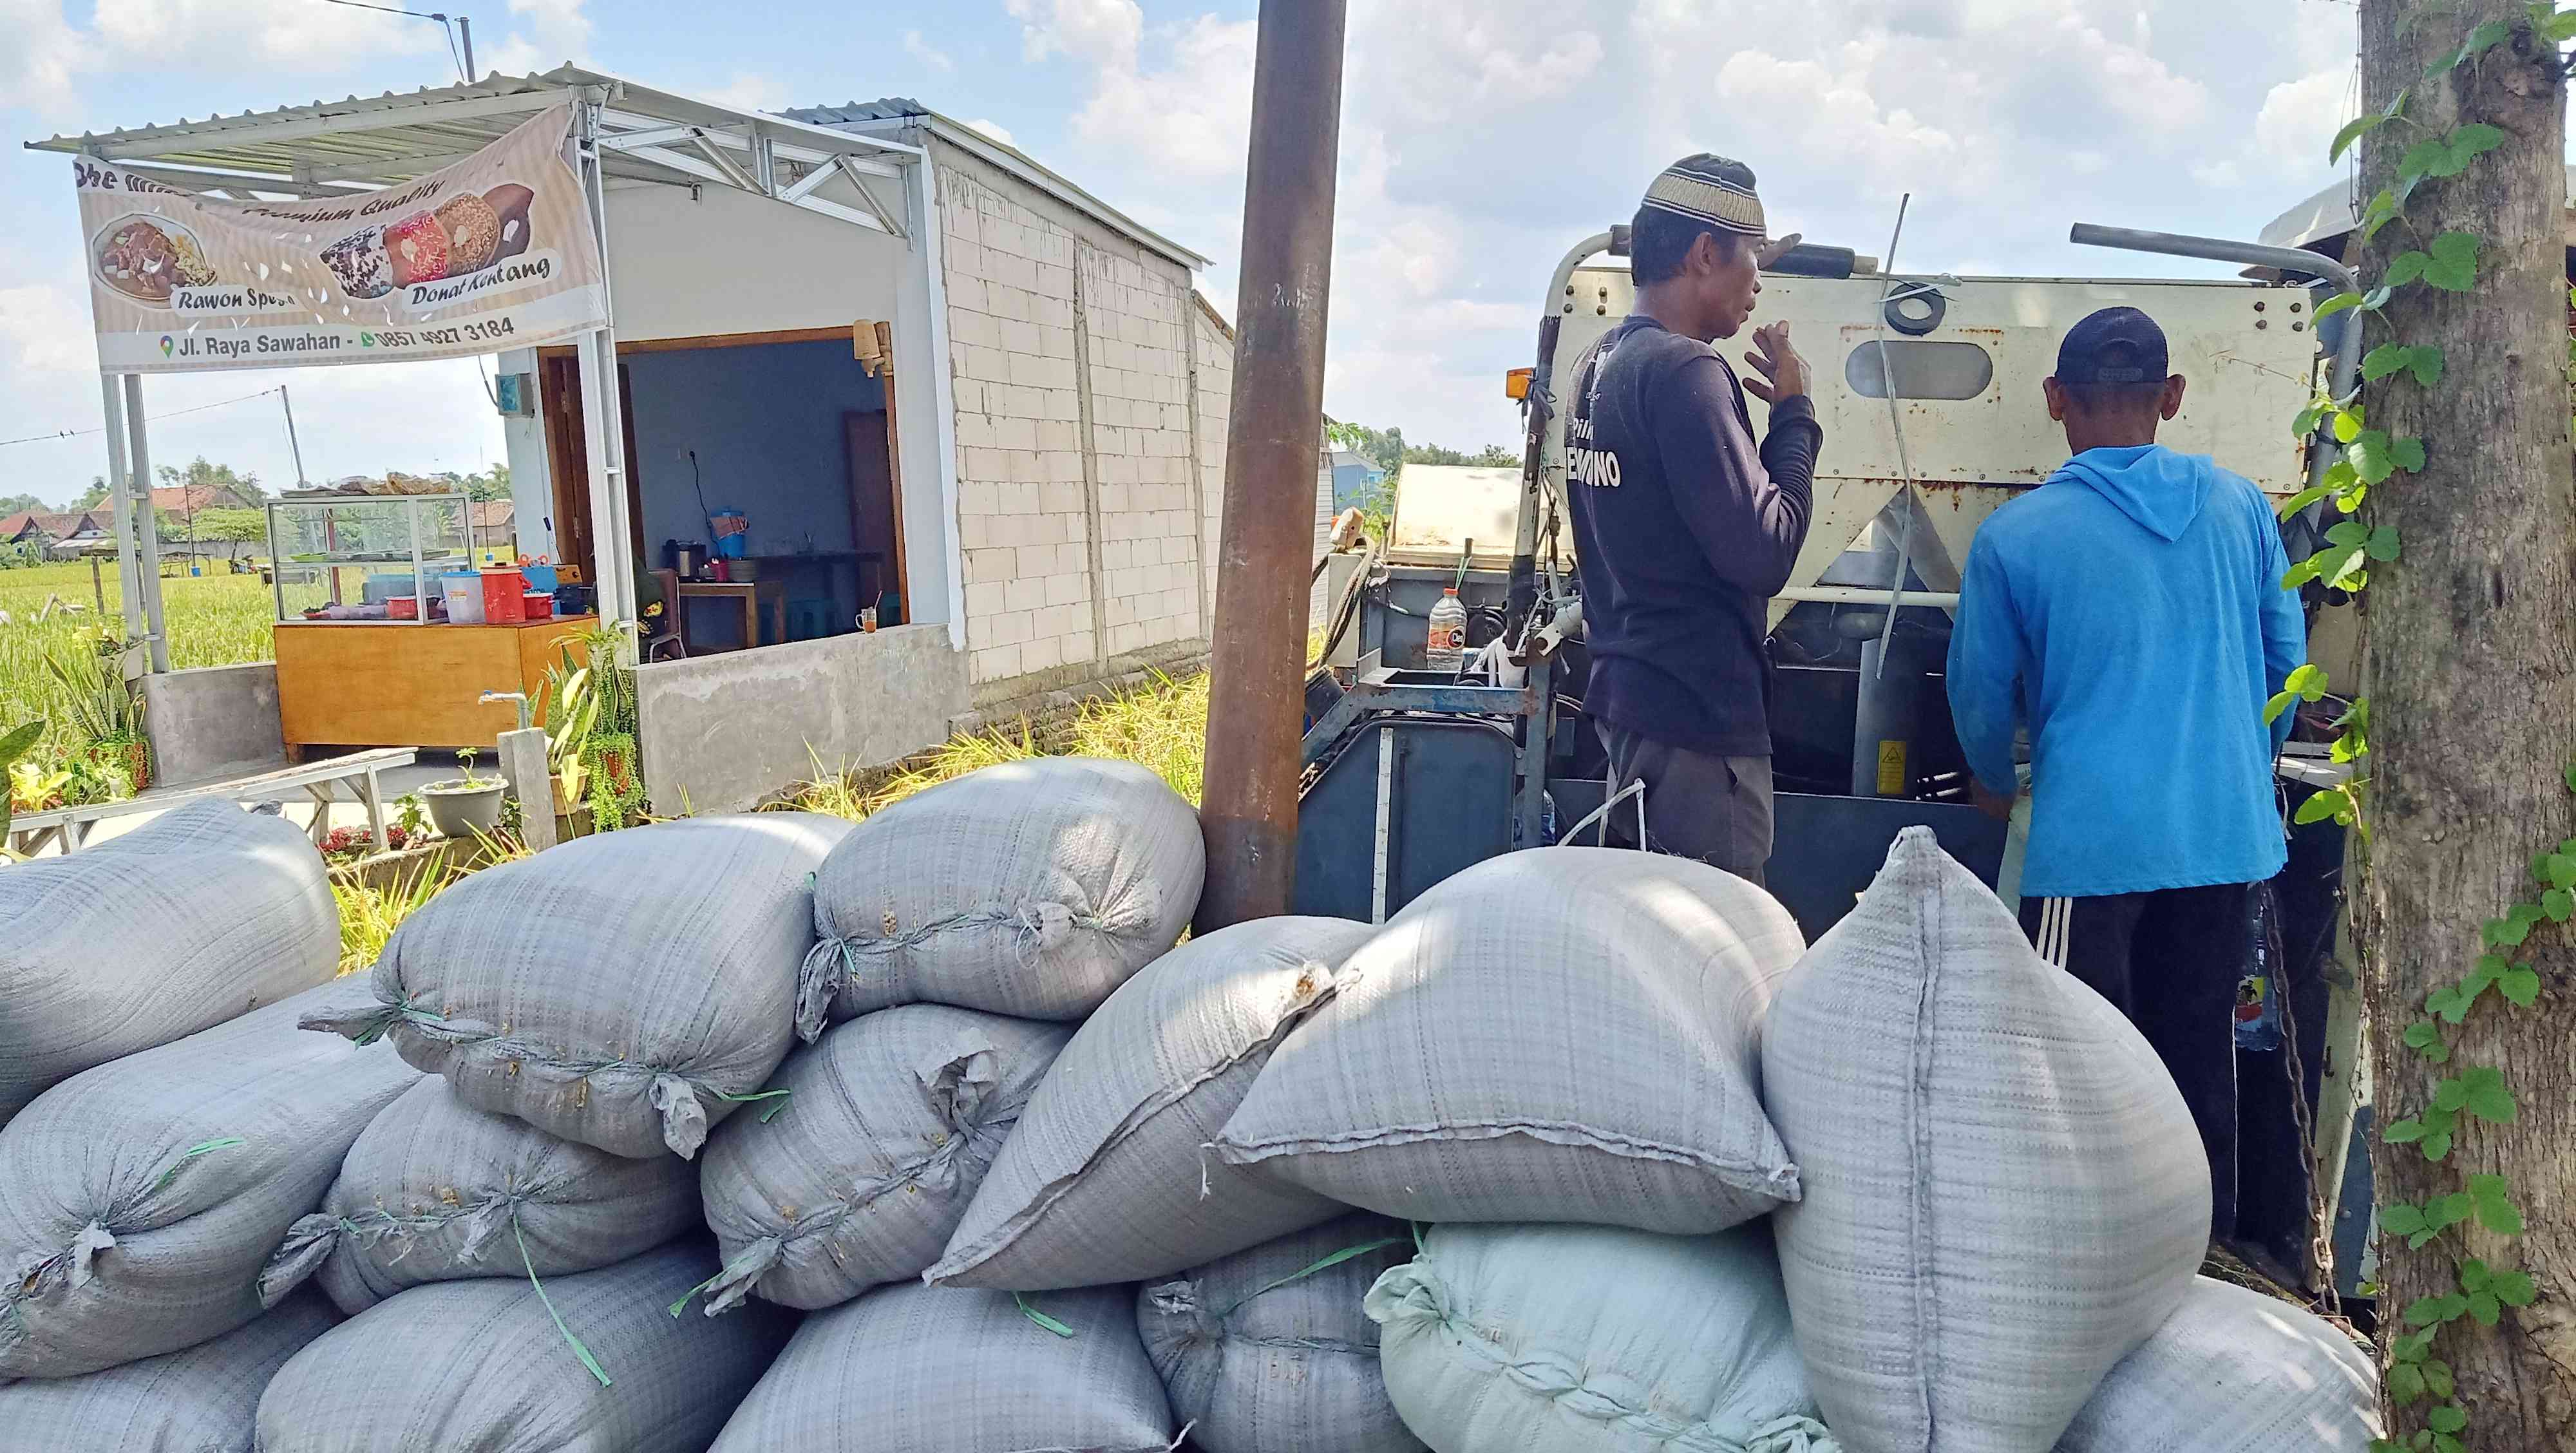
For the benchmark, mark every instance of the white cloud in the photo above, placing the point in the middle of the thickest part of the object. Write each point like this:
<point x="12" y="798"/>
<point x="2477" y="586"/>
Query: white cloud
<point x="1103" y="33"/>
<point x="993" y="129"/>
<point x="750" y="91"/>
<point x="543" y="34"/>
<point x="1823" y="112"/>
<point x="45" y="329"/>
<point x="1189" y="118"/>
<point x="38" y="63"/>
<point x="2299" y="118"/>
<point x="926" y="53"/>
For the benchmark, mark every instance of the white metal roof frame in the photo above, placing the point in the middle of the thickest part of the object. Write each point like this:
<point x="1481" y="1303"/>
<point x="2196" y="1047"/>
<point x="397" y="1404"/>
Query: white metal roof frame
<point x="647" y="136"/>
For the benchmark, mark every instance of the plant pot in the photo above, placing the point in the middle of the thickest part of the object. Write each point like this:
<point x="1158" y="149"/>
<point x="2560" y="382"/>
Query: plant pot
<point x="460" y="809"/>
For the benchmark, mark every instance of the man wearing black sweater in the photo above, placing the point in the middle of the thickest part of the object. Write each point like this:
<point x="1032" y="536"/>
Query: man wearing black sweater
<point x="1683" y="528"/>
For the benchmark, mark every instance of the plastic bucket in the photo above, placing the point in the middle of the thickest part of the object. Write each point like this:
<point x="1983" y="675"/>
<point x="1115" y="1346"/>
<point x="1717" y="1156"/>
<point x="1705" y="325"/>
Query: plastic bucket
<point x="464" y="591"/>
<point x="505" y="595"/>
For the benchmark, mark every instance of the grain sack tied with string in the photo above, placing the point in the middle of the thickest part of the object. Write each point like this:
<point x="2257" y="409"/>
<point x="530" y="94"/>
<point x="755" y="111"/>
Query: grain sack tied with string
<point x="203" y="913"/>
<point x="939" y="1370"/>
<point x="587" y="1363"/>
<point x="2234" y="1371"/>
<point x="1560" y="1034"/>
<point x="627" y="990"/>
<point x="1030" y="888"/>
<point x="1595" y="1339"/>
<point x="139" y="1200"/>
<point x="858" y="1175"/>
<point x="1272" y="1351"/>
<point x="436" y="1190"/>
<point x="2004" y="1192"/>
<point x="201" y="1399"/>
<point x="1107" y="1178"/>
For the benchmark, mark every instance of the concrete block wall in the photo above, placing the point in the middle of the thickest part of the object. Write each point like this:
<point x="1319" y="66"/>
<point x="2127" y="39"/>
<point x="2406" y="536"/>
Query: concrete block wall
<point x="1023" y="512"/>
<point x="1082" y="520"/>
<point x="1212" y="375"/>
<point x="1137" y="377"/>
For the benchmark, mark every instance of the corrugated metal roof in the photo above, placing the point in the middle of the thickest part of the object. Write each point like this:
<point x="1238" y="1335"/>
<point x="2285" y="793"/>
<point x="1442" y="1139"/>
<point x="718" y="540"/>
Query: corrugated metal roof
<point x="865" y="116"/>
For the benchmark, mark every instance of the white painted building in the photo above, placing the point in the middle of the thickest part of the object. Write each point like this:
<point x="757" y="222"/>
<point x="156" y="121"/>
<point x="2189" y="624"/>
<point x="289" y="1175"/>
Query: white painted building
<point x="918" y="362"/>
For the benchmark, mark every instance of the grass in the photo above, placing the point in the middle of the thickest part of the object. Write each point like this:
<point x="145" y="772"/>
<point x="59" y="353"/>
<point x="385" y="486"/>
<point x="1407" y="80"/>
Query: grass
<point x="1162" y="725"/>
<point x="370" y="914"/>
<point x="213" y="620"/>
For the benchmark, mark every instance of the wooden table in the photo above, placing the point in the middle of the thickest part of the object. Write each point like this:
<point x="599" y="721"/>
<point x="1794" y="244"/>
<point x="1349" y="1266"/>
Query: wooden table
<point x="68" y="827"/>
<point x="755" y="595"/>
<point x="393" y="684"/>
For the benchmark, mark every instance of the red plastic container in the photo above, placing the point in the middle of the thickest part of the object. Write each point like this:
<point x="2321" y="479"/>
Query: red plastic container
<point x="505" y="595"/>
<point x="402" y="608"/>
<point x="540" y="606"/>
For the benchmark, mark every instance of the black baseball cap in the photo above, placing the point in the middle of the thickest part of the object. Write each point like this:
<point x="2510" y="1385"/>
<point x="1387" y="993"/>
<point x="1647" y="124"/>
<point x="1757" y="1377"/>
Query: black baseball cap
<point x="2114" y="346"/>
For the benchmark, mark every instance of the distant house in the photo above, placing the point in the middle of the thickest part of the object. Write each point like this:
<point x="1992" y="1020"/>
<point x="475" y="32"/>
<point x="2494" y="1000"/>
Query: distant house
<point x="189" y="499"/>
<point x="496" y="530"/>
<point x="1355" y="478"/>
<point x="60" y="534"/>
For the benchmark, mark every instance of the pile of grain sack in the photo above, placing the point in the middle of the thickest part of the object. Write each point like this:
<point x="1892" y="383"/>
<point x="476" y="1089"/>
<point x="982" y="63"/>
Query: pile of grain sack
<point x="774" y="1133"/>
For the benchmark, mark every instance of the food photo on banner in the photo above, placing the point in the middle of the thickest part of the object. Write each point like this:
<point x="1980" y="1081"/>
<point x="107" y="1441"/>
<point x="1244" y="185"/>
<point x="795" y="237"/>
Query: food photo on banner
<point x="496" y="251"/>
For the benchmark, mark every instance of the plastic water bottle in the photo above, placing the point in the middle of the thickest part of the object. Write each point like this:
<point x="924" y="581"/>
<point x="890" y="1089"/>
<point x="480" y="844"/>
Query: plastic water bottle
<point x="1446" y="647"/>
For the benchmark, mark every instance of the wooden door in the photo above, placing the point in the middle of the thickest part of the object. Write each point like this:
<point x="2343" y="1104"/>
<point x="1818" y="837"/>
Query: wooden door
<point x="568" y="452"/>
<point x="876" y="518"/>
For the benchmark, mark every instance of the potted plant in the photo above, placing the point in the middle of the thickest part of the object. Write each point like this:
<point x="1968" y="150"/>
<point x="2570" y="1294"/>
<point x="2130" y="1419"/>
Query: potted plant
<point x="463" y="806"/>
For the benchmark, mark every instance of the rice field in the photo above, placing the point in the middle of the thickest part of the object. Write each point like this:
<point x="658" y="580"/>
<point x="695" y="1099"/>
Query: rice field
<point x="213" y="620"/>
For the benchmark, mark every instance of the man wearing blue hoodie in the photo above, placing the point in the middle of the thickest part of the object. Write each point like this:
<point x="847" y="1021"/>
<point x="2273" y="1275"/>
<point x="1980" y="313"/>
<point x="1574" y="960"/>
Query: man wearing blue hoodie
<point x="2130" y="613"/>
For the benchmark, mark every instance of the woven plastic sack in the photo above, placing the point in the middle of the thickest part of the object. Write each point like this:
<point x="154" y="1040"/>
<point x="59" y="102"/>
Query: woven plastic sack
<point x="1029" y="888"/>
<point x="2004" y="1191"/>
<point x="627" y="990"/>
<point x="204" y="913"/>
<point x="1271" y="1351"/>
<point x="1106" y="1179"/>
<point x="889" y="1125"/>
<point x="2234" y="1371"/>
<point x="1595" y="1339"/>
<point x="197" y="1400"/>
<point x="1561" y="1034"/>
<point x="138" y="1200"/>
<point x="593" y="1363"/>
<point x="944" y="1370"/>
<point x="436" y="1190"/>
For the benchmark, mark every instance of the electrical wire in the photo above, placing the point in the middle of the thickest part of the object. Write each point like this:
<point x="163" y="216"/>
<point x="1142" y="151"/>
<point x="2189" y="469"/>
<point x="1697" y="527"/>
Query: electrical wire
<point x="174" y="413"/>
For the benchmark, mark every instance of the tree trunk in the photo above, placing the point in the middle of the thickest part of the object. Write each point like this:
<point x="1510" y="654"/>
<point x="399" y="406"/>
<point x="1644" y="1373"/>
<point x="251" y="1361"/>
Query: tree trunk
<point x="2472" y="683"/>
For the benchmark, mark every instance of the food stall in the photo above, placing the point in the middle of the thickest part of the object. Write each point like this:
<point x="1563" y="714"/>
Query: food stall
<point x="388" y="634"/>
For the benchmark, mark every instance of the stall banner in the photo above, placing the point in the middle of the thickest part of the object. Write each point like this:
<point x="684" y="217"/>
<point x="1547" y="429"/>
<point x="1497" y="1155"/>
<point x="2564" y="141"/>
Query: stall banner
<point x="494" y="252"/>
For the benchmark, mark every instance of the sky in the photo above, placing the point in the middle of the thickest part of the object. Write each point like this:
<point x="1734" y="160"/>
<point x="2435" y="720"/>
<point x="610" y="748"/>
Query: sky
<point x="1480" y="138"/>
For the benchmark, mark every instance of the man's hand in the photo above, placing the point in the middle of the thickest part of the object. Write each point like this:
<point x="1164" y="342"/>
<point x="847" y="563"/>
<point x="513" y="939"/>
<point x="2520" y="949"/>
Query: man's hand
<point x="1996" y="805"/>
<point x="1784" y="373"/>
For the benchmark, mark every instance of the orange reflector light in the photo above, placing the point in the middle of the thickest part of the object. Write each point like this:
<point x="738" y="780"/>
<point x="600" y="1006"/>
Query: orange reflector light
<point x="1516" y="384"/>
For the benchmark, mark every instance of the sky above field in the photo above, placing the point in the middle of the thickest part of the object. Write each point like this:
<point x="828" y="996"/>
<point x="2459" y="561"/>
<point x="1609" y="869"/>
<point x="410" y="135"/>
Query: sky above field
<point x="1480" y="138"/>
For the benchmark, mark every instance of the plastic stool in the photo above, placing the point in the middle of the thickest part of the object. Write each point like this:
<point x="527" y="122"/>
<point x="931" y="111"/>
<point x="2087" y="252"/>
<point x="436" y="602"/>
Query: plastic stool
<point x="809" y="619"/>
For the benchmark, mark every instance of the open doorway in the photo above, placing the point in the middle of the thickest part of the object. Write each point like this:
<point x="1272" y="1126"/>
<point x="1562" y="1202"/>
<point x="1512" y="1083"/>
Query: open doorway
<point x="761" y="477"/>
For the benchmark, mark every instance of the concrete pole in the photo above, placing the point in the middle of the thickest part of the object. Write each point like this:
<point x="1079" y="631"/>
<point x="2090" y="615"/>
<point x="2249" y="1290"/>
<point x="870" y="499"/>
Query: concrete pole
<point x="147" y="524"/>
<point x="120" y="503"/>
<point x="1257" y="653"/>
<point x="523" y="766"/>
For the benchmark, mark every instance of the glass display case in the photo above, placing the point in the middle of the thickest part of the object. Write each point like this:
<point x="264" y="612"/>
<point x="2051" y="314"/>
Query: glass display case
<point x="376" y="559"/>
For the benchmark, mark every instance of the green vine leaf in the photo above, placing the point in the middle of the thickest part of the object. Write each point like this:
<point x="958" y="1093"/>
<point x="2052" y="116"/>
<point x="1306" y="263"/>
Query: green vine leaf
<point x="2308" y="419"/>
<point x="2559" y="904"/>
<point x="2408" y="453"/>
<point x="2347" y="426"/>
<point x="2382" y="544"/>
<point x="2448" y="1418"/>
<point x="2424" y="361"/>
<point x="2337" y="304"/>
<point x="2449" y="1003"/>
<point x="2356" y="130"/>
<point x="2453" y="262"/>
<point x="2372" y="455"/>
<point x="2434" y="1311"/>
<point x="2406" y="266"/>
<point x="2437" y="1378"/>
<point x="2554" y="26"/>
<point x="2424" y="157"/>
<point x="2570" y="776"/>
<point x="2425" y="1038"/>
<point x="2402" y="1219"/>
<point x="2489" y="1197"/>
<point x="2485" y="1095"/>
<point x="2406" y="1384"/>
<point x="2381" y="211"/>
<point x="2521" y="984"/>
<point x="2482" y="39"/>
<point x="2514" y="1289"/>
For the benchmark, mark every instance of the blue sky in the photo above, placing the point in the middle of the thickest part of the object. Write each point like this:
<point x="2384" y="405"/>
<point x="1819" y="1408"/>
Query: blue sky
<point x="1480" y="138"/>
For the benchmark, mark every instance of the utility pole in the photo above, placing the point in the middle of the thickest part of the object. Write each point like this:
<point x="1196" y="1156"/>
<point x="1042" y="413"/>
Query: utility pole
<point x="1258" y="648"/>
<point x="292" y="447"/>
<point x="465" y="33"/>
<point x="2470" y="669"/>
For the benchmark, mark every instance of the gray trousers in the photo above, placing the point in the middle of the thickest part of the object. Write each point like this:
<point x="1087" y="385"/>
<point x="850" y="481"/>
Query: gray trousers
<point x="1715" y="809"/>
